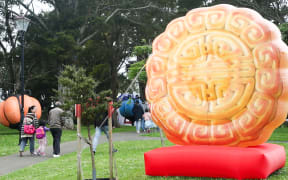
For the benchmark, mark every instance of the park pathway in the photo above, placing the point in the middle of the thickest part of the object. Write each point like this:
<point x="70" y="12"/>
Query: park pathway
<point x="13" y="162"/>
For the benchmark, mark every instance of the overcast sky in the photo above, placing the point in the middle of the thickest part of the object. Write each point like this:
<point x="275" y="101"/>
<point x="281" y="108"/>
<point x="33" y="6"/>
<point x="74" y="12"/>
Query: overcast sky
<point x="38" y="6"/>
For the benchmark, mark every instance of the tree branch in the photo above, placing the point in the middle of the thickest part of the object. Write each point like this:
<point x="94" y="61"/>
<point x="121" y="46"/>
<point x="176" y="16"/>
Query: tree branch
<point x="52" y="2"/>
<point x="88" y="37"/>
<point x="34" y="15"/>
<point x="267" y="11"/>
<point x="30" y="5"/>
<point x="31" y="67"/>
<point x="84" y="139"/>
<point x="120" y="65"/>
<point x="32" y="77"/>
<point x="111" y="15"/>
<point x="3" y="47"/>
<point x="130" y="9"/>
<point x="134" y="22"/>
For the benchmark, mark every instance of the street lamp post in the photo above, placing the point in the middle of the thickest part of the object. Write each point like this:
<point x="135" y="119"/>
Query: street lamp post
<point x="22" y="24"/>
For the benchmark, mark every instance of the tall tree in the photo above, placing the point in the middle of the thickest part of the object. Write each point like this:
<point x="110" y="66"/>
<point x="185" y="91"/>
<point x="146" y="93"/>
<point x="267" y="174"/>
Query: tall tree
<point x="9" y="61"/>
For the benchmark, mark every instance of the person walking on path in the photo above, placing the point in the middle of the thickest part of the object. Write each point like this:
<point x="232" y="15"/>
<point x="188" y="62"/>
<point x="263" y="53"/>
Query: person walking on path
<point x="101" y="124"/>
<point x="138" y="113"/>
<point x="99" y="129"/>
<point x="56" y="124"/>
<point x="30" y="123"/>
<point x="144" y="107"/>
<point x="41" y="136"/>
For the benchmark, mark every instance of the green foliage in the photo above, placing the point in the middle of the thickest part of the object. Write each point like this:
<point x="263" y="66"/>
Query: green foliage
<point x="284" y="30"/>
<point x="142" y="52"/>
<point x="62" y="46"/>
<point x="186" y="5"/>
<point x="125" y="82"/>
<point x="101" y="72"/>
<point x="43" y="59"/>
<point x="135" y="68"/>
<point x="95" y="108"/>
<point x="77" y="87"/>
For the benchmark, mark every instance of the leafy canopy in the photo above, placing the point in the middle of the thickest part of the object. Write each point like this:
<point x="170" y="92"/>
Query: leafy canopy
<point x="142" y="53"/>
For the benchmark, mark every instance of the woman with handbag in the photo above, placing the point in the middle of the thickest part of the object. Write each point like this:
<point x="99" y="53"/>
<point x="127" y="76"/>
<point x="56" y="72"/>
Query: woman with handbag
<point x="30" y="123"/>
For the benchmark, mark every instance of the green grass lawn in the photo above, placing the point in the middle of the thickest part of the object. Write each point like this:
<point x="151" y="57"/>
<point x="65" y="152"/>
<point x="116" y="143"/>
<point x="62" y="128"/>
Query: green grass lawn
<point x="130" y="160"/>
<point x="280" y="134"/>
<point x="9" y="137"/>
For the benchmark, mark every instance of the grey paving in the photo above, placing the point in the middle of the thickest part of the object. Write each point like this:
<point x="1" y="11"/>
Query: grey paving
<point x="13" y="162"/>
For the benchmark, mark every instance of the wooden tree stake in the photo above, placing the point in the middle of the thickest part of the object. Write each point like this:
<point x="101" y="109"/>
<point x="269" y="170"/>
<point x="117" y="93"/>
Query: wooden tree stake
<point x="110" y="148"/>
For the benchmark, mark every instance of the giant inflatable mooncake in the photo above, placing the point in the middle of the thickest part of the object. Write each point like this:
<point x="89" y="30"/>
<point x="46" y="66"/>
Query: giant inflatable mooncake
<point x="218" y="77"/>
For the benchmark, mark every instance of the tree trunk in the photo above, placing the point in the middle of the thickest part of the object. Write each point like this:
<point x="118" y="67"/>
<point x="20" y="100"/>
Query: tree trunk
<point x="161" y="137"/>
<point x="92" y="154"/>
<point x="14" y="72"/>
<point x="142" y="90"/>
<point x="114" y="82"/>
<point x="115" y="120"/>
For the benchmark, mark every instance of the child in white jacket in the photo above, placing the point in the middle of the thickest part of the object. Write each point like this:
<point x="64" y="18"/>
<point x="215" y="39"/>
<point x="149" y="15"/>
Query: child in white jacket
<point x="148" y="121"/>
<point x="42" y="139"/>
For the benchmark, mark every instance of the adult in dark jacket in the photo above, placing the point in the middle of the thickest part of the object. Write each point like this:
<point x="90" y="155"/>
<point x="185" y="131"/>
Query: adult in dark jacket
<point x="29" y="119"/>
<point x="138" y="113"/>
<point x="56" y="123"/>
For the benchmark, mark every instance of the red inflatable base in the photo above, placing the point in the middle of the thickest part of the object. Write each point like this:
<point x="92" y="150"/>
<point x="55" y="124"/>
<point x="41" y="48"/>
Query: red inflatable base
<point x="256" y="162"/>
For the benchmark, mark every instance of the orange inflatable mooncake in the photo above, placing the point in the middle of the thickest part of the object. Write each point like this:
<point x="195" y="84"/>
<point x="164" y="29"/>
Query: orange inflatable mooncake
<point x="218" y="76"/>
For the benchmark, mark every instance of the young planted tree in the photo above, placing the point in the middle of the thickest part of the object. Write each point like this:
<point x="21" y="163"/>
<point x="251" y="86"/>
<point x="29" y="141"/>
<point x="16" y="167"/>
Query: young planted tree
<point x="78" y="88"/>
<point x="95" y="110"/>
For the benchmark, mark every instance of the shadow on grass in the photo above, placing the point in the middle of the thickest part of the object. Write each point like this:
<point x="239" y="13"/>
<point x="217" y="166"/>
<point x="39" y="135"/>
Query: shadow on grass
<point x="278" y="172"/>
